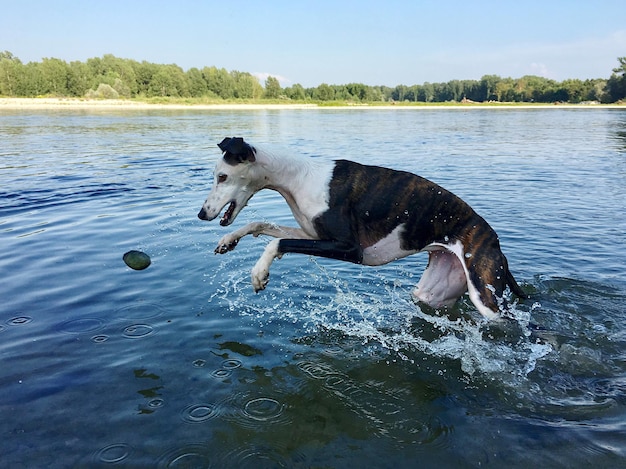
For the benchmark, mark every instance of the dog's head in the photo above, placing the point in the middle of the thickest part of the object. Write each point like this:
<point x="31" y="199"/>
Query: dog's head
<point x="234" y="181"/>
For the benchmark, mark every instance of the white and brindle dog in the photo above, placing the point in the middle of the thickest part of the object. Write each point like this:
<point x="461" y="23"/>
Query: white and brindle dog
<point x="367" y="215"/>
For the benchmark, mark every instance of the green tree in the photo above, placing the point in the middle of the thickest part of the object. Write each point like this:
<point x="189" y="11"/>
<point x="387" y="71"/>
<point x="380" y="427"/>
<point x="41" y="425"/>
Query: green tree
<point x="196" y="84"/>
<point x="505" y="90"/>
<point x="358" y="91"/>
<point x="597" y="89"/>
<point x="54" y="77"/>
<point x="427" y="93"/>
<point x="296" y="92"/>
<point x="272" y="88"/>
<point x="168" y="80"/>
<point x="488" y="85"/>
<point x="324" y="92"/>
<point x="219" y="82"/>
<point x="123" y="70"/>
<point x="246" y="86"/>
<point x="11" y="74"/>
<point x="144" y="72"/>
<point x="79" y="79"/>
<point x="616" y="85"/>
<point x="399" y="93"/>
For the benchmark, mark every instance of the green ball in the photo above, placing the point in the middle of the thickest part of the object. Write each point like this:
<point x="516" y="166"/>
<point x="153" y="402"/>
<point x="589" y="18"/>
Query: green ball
<point x="137" y="260"/>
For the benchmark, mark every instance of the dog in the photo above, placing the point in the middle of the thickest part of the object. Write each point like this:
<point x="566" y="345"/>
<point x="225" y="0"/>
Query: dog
<point x="367" y="215"/>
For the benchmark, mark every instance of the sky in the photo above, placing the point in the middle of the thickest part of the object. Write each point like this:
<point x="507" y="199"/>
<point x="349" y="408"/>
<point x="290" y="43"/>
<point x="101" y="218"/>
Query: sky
<point x="387" y="42"/>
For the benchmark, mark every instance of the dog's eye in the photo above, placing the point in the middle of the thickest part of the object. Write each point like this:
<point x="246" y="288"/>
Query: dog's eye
<point x="221" y="178"/>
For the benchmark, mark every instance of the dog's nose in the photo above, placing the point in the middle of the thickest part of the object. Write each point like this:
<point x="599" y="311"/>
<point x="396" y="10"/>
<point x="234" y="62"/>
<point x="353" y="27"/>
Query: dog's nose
<point x="202" y="214"/>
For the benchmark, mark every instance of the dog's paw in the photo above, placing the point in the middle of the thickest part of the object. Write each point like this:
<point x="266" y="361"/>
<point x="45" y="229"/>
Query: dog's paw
<point x="227" y="243"/>
<point x="260" y="278"/>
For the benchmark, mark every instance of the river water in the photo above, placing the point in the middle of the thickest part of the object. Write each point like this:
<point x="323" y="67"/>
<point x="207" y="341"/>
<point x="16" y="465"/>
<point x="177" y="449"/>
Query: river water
<point x="182" y="365"/>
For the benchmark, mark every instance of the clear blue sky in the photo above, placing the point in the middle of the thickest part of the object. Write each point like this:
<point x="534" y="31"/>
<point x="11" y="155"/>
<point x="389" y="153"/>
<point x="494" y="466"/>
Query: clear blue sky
<point x="311" y="42"/>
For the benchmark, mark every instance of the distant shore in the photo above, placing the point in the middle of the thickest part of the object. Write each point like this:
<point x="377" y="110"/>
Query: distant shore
<point x="121" y="104"/>
<point x="77" y="103"/>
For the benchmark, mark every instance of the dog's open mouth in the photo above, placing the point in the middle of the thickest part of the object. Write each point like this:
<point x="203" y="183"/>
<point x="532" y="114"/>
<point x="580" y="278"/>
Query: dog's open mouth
<point x="226" y="219"/>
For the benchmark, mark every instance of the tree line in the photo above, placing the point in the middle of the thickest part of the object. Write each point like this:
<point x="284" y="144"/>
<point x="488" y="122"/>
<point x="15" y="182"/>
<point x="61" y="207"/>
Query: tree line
<point x="113" y="77"/>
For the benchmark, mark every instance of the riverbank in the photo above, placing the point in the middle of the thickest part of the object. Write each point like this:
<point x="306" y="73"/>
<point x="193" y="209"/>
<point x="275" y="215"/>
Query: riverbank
<point x="121" y="104"/>
<point x="75" y="103"/>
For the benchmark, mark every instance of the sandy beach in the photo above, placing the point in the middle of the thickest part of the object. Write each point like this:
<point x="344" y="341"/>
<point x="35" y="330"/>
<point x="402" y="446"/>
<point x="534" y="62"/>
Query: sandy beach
<point x="121" y="104"/>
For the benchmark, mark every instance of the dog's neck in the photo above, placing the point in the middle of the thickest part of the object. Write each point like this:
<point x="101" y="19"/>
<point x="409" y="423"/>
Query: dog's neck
<point x="301" y="180"/>
<point x="287" y="174"/>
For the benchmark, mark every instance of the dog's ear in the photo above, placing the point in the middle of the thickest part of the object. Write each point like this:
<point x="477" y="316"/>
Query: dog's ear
<point x="237" y="151"/>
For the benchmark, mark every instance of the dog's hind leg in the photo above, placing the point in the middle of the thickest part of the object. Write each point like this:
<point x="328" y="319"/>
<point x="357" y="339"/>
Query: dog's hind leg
<point x="443" y="281"/>
<point x="229" y="241"/>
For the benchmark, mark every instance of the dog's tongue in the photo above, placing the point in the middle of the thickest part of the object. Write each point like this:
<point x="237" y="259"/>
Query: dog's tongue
<point x="229" y="212"/>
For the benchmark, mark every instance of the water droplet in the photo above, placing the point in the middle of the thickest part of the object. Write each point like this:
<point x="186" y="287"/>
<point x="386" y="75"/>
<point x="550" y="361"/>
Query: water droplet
<point x="468" y="255"/>
<point x="446" y="238"/>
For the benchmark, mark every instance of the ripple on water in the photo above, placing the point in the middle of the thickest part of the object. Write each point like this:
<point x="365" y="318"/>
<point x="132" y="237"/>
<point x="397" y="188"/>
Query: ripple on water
<point x="100" y="338"/>
<point x="384" y="413"/>
<point x="188" y="456"/>
<point x="259" y="457"/>
<point x="19" y="320"/>
<point x="198" y="413"/>
<point x="254" y="411"/>
<point x="114" y="454"/>
<point x="137" y="331"/>
<point x="226" y="369"/>
<point x="81" y="325"/>
<point x="316" y="370"/>
<point x="139" y="311"/>
<point x="156" y="403"/>
<point x="221" y="373"/>
<point x="231" y="364"/>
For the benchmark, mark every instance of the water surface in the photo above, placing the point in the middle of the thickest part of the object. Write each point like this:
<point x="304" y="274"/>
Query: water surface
<point x="182" y="365"/>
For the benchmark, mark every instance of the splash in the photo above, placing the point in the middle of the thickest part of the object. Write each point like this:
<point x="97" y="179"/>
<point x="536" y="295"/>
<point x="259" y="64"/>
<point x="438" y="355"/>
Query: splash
<point x="392" y="320"/>
<point x="380" y="314"/>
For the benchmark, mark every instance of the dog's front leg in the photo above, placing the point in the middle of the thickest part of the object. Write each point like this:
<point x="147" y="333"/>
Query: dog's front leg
<point x="229" y="241"/>
<point x="331" y="249"/>
<point x="261" y="270"/>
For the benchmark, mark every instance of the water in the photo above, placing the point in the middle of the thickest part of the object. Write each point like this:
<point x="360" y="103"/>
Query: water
<point x="182" y="365"/>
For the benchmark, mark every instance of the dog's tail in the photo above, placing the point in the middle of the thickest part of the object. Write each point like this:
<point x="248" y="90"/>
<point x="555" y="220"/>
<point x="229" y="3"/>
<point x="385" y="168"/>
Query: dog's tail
<point x="515" y="288"/>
